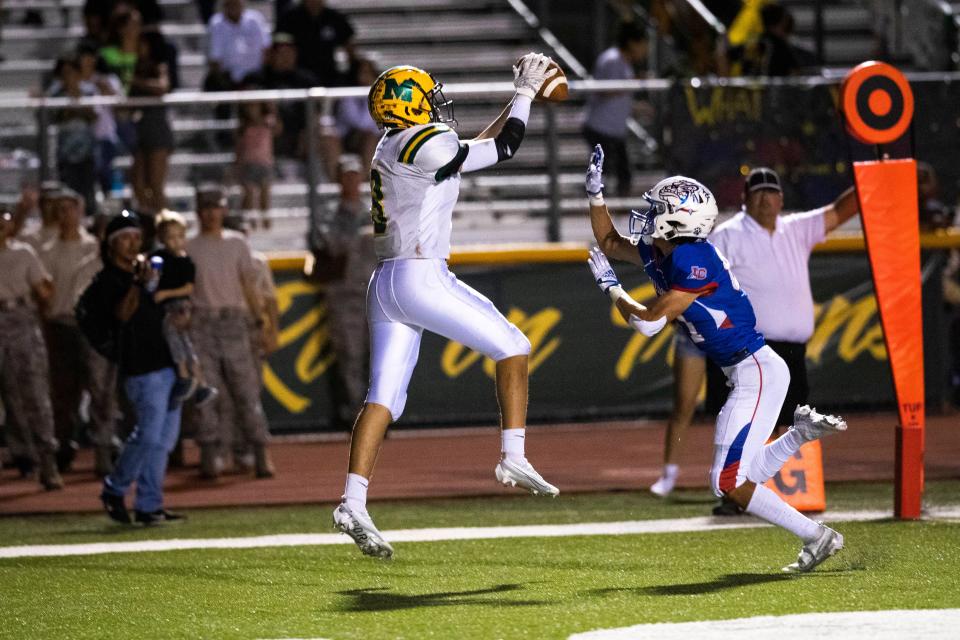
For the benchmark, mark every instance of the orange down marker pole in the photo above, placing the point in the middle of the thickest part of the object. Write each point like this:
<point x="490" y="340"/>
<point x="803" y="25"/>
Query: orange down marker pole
<point x="878" y="107"/>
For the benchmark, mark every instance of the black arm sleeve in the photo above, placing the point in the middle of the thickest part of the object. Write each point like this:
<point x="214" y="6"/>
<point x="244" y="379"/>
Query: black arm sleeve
<point x="509" y="138"/>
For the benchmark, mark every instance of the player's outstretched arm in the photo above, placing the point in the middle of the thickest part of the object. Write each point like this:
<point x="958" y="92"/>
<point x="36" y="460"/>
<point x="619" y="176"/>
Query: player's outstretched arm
<point x="608" y="238"/>
<point x="500" y="140"/>
<point x="648" y="321"/>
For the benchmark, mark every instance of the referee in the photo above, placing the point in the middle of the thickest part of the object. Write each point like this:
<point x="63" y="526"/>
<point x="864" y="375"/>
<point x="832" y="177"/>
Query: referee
<point x="769" y="255"/>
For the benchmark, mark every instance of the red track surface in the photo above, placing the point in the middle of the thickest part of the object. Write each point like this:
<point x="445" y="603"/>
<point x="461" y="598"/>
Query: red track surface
<point x="459" y="462"/>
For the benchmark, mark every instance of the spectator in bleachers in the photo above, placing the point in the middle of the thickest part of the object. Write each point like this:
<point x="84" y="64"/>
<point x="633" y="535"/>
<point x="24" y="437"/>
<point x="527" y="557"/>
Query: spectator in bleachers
<point x="105" y="126"/>
<point x="24" y="381"/>
<point x="281" y="72"/>
<point x="353" y="131"/>
<point x="154" y="134"/>
<point x="63" y="257"/>
<point x="224" y="296"/>
<point x="606" y="115"/>
<point x="770" y="53"/>
<point x="254" y="148"/>
<point x="319" y="32"/>
<point x="119" y="53"/>
<point x="49" y="225"/>
<point x="76" y="137"/>
<point x="237" y="39"/>
<point x="934" y="214"/>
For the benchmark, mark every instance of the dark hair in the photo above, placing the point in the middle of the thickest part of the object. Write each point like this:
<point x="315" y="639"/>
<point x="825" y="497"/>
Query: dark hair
<point x="771" y="15"/>
<point x="118" y="21"/>
<point x="630" y="32"/>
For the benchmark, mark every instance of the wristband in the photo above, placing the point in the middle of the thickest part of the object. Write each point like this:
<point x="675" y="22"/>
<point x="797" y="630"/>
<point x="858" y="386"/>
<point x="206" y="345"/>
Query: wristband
<point x="595" y="200"/>
<point x="616" y="292"/>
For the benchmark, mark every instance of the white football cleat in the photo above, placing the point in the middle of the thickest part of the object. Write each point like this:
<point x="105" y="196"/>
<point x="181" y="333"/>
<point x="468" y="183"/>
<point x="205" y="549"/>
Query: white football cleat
<point x="813" y="425"/>
<point x="360" y="527"/>
<point x="523" y="475"/>
<point x="813" y="553"/>
<point x="664" y="486"/>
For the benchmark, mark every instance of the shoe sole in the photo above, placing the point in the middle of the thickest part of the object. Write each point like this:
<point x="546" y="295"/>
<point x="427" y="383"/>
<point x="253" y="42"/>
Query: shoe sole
<point x="504" y="479"/>
<point x="835" y="546"/>
<point x="369" y="547"/>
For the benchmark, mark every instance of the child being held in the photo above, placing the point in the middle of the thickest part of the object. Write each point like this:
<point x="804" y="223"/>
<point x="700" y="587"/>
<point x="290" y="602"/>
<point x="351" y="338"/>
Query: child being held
<point x="173" y="292"/>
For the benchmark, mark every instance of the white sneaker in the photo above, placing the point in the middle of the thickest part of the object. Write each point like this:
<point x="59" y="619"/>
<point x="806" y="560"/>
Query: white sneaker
<point x="813" y="425"/>
<point x="664" y="486"/>
<point x="813" y="553"/>
<point x="360" y="527"/>
<point x="523" y="475"/>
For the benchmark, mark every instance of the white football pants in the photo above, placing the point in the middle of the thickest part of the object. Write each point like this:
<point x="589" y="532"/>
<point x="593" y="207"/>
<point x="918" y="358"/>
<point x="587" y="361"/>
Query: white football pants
<point x="406" y="296"/>
<point x="759" y="384"/>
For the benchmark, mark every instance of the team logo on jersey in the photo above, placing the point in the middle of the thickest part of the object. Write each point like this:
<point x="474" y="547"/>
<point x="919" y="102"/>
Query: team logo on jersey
<point x="698" y="273"/>
<point x="681" y="190"/>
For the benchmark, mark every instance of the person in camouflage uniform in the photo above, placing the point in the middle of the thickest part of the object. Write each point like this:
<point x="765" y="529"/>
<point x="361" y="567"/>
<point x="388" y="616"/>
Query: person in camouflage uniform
<point x="24" y="377"/>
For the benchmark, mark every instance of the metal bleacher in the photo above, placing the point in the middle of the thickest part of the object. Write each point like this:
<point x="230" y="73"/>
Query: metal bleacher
<point x="457" y="40"/>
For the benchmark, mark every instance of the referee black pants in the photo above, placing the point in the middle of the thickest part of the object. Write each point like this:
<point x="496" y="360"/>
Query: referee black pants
<point x="794" y="354"/>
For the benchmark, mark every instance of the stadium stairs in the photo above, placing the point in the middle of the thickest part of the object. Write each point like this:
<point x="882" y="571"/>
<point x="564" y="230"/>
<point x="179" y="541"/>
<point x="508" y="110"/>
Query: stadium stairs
<point x="457" y="40"/>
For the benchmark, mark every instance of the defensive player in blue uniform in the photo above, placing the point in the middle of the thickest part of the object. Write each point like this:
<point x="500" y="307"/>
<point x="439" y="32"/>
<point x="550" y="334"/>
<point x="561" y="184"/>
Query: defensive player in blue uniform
<point x="695" y="286"/>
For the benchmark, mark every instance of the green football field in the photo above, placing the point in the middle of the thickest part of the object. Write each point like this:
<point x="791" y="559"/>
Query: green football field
<point x="532" y="587"/>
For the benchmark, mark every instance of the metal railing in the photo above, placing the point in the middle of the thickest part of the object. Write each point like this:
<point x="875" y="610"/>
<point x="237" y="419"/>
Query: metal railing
<point x="318" y="101"/>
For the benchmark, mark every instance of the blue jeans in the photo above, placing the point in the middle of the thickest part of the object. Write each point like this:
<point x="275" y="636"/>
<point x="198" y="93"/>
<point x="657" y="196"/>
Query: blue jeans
<point x="144" y="456"/>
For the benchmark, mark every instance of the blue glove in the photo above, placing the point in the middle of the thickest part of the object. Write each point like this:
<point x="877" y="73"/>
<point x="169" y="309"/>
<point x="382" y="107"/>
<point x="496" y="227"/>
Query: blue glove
<point x="603" y="273"/>
<point x="594" y="181"/>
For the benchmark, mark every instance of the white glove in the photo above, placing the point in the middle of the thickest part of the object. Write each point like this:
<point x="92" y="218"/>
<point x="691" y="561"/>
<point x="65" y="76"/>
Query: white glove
<point x="594" y="181"/>
<point x="603" y="273"/>
<point x="529" y="74"/>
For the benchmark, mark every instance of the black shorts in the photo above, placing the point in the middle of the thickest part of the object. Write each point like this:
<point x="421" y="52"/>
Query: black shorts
<point x="794" y="354"/>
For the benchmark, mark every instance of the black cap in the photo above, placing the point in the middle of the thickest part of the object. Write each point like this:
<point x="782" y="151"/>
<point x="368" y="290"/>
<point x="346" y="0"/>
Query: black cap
<point x="211" y="195"/>
<point x="120" y="222"/>
<point x="762" y="178"/>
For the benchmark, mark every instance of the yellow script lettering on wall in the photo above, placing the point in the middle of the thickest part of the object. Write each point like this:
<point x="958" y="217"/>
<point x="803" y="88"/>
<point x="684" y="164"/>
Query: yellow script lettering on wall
<point x="310" y="363"/>
<point x="456" y="358"/>
<point x="725" y="104"/>
<point x="857" y="325"/>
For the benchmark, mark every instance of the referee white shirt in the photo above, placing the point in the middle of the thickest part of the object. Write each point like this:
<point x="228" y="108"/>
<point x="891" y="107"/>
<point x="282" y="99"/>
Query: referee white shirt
<point x="772" y="268"/>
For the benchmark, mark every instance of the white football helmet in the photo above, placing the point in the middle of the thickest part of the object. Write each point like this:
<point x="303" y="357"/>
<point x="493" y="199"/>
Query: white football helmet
<point x="676" y="207"/>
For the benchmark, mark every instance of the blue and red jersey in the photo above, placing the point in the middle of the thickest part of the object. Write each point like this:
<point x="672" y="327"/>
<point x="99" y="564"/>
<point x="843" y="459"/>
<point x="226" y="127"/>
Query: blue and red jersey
<point x="721" y="321"/>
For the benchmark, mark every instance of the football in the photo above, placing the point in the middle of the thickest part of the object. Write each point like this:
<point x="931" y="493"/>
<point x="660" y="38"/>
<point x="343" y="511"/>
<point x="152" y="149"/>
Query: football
<point x="555" y="87"/>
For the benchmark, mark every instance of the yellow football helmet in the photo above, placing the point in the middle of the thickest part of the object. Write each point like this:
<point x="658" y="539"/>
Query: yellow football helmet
<point x="406" y="97"/>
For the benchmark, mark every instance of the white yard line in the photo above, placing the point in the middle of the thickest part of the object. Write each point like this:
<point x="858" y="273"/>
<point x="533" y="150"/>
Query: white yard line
<point x="851" y="625"/>
<point x="633" y="527"/>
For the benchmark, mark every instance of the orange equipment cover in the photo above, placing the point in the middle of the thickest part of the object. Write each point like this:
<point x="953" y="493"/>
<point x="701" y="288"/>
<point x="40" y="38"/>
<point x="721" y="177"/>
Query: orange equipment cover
<point x="800" y="481"/>
<point x="888" y="204"/>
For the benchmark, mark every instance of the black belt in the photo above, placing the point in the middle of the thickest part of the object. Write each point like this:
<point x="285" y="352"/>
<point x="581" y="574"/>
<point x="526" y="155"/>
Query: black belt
<point x="740" y="356"/>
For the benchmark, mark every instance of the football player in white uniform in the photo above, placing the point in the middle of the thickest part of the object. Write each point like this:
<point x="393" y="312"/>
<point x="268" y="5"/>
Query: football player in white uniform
<point x="415" y="182"/>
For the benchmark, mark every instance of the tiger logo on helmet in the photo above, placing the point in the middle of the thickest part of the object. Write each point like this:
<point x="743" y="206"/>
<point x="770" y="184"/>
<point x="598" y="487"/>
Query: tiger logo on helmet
<point x="404" y="96"/>
<point x="676" y="207"/>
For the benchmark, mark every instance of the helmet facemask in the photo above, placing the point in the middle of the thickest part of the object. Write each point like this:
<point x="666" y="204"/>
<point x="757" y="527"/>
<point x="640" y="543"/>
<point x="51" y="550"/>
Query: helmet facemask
<point x="441" y="108"/>
<point x="642" y="223"/>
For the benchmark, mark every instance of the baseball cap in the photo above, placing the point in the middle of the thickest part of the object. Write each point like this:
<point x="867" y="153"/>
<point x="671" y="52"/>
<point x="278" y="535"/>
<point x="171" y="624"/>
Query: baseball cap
<point x="762" y="178"/>
<point x="210" y="196"/>
<point x="121" y="223"/>
<point x="280" y="38"/>
<point x="66" y="193"/>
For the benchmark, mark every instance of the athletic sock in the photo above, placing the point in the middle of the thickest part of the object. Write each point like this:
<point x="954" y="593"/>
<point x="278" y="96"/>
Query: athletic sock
<point x="769" y="506"/>
<point x="355" y="493"/>
<point x="512" y="444"/>
<point x="670" y="471"/>
<point x="773" y="456"/>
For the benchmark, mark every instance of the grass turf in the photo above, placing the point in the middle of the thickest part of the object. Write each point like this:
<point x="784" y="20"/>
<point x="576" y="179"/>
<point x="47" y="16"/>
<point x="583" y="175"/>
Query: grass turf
<point x="516" y="588"/>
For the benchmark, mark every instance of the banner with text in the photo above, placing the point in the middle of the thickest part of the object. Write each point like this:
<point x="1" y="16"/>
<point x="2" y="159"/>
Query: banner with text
<point x="585" y="361"/>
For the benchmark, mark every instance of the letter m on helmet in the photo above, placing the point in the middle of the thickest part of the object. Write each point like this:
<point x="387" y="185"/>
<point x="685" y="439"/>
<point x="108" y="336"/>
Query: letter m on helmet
<point x="399" y="91"/>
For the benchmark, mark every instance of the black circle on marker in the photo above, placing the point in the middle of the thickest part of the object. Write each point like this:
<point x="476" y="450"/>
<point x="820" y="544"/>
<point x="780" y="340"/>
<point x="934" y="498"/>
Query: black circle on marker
<point x="891" y="117"/>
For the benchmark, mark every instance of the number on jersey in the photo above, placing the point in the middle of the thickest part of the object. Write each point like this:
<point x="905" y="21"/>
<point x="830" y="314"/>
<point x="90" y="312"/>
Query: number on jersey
<point x="376" y="207"/>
